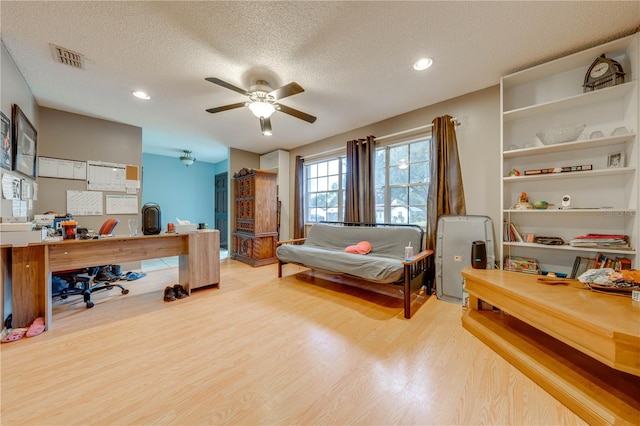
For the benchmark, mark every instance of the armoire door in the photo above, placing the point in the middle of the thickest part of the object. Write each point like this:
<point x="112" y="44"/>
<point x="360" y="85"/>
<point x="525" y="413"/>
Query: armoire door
<point x="221" y="208"/>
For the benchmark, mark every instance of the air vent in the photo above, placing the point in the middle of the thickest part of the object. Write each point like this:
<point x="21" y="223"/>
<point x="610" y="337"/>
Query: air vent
<point x="67" y="57"/>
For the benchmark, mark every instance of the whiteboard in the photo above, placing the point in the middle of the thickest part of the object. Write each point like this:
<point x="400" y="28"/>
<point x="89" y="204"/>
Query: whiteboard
<point x="62" y="169"/>
<point x="122" y="204"/>
<point x="106" y="176"/>
<point x="84" y="203"/>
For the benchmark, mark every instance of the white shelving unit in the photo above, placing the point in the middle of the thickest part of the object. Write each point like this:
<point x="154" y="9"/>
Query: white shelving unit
<point x="603" y="200"/>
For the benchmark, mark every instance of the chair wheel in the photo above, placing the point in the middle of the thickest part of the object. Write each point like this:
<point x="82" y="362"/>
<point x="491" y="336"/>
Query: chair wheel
<point x="64" y="296"/>
<point x="125" y="291"/>
<point x="89" y="304"/>
<point x="109" y="287"/>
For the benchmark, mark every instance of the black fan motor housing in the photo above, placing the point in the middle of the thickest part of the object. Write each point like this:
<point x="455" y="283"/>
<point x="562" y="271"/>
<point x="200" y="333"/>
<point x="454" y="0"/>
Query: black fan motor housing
<point x="151" y="219"/>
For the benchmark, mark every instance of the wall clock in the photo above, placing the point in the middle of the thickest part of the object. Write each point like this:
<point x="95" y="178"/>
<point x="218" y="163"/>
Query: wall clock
<point x="603" y="72"/>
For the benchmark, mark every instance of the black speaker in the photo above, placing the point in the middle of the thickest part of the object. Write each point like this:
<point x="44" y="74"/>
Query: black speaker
<point x="478" y="255"/>
<point x="151" y="219"/>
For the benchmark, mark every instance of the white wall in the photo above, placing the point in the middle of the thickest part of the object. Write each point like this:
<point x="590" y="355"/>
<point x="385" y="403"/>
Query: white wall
<point x="478" y="145"/>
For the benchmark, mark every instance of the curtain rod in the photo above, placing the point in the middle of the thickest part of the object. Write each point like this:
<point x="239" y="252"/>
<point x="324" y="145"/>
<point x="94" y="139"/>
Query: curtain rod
<point x="391" y="135"/>
<point x="318" y="154"/>
<point x="415" y="129"/>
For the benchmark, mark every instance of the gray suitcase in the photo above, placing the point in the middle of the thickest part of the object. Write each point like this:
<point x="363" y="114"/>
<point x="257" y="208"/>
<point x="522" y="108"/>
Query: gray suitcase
<point x="454" y="238"/>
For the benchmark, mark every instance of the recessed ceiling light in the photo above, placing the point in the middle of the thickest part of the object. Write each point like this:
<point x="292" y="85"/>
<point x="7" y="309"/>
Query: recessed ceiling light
<point x="141" y="95"/>
<point x="422" y="64"/>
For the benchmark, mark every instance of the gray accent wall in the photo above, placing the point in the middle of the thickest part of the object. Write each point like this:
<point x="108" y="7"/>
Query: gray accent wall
<point x="72" y="136"/>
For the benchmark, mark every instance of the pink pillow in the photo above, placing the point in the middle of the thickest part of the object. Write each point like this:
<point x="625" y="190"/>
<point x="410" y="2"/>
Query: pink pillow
<point x="363" y="247"/>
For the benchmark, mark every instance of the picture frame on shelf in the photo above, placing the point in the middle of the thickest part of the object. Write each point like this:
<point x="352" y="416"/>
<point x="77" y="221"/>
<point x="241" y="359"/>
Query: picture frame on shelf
<point x="615" y="160"/>
<point x="25" y="143"/>
<point x="6" y="157"/>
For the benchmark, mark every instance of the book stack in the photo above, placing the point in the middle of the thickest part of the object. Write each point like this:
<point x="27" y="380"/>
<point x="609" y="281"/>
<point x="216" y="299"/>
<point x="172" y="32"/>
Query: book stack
<point x="616" y="263"/>
<point x="583" y="264"/>
<point x="512" y="233"/>
<point x="603" y="241"/>
<point x="528" y="265"/>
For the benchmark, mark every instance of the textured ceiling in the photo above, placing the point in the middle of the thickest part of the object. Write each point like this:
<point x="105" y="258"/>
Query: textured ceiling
<point x="354" y="59"/>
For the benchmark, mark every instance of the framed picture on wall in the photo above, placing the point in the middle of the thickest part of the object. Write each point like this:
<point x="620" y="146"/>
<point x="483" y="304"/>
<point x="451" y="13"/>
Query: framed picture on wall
<point x="25" y="143"/>
<point x="6" y="156"/>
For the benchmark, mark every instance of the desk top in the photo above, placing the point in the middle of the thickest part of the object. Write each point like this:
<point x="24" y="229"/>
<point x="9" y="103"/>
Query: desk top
<point x="121" y="238"/>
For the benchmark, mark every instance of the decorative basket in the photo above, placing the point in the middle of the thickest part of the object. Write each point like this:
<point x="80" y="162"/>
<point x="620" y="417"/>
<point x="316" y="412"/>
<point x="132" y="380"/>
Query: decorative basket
<point x="560" y="134"/>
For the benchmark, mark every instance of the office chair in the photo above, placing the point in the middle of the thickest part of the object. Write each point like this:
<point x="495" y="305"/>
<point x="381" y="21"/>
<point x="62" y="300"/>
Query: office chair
<point x="92" y="279"/>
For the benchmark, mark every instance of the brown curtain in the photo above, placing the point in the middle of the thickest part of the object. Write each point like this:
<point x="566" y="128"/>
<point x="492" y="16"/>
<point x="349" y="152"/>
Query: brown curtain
<point x="360" y="192"/>
<point x="298" y="199"/>
<point x="446" y="194"/>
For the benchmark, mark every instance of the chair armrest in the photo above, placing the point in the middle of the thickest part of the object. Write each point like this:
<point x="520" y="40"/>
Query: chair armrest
<point x="418" y="257"/>
<point x="294" y="241"/>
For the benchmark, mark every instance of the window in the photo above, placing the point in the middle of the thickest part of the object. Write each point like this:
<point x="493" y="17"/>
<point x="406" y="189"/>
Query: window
<point x="402" y="181"/>
<point x="325" y="183"/>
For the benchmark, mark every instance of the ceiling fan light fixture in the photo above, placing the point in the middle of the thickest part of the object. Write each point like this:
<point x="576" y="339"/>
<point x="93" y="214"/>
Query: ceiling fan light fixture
<point x="265" y="125"/>
<point x="187" y="159"/>
<point x="262" y="109"/>
<point x="422" y="64"/>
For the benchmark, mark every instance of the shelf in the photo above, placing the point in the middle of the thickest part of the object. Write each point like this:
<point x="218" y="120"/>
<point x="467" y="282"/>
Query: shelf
<point x="574" y="61"/>
<point x="550" y="95"/>
<point x="621" y="212"/>
<point x="569" y="175"/>
<point x="583" y="99"/>
<point x="568" y="146"/>
<point x="567" y="248"/>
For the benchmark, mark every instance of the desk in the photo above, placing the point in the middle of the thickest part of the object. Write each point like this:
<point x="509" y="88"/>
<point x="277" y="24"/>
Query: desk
<point x="33" y="265"/>
<point x="581" y="347"/>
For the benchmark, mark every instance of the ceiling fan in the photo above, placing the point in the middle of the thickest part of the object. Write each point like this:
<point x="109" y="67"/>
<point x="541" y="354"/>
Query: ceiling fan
<point x="262" y="101"/>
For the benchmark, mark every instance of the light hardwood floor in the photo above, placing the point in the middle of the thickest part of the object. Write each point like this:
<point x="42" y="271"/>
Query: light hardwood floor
<point x="263" y="350"/>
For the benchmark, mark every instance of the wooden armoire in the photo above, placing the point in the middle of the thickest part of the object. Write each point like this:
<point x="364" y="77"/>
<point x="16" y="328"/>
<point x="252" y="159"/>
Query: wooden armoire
<point x="256" y="217"/>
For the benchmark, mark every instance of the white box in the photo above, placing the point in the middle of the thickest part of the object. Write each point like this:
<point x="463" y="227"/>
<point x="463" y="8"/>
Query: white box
<point x="22" y="238"/>
<point x="15" y="227"/>
<point x="44" y="219"/>
<point x="185" y="229"/>
<point x="14" y="219"/>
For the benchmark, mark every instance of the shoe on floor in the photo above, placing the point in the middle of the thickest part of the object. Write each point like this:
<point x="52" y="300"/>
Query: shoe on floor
<point x="169" y="294"/>
<point x="105" y="274"/>
<point x="36" y="328"/>
<point x="180" y="292"/>
<point x="132" y="276"/>
<point x="14" y="334"/>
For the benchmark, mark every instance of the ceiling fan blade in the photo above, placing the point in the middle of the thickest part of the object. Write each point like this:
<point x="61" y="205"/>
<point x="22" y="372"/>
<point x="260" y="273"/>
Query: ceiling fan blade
<point x="226" y="107"/>
<point x="265" y="126"/>
<point x="227" y="85"/>
<point x="297" y="114"/>
<point x="288" y="90"/>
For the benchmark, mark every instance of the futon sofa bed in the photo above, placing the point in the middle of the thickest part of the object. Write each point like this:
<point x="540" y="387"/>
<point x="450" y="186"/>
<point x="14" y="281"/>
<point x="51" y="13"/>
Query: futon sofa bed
<point x="384" y="269"/>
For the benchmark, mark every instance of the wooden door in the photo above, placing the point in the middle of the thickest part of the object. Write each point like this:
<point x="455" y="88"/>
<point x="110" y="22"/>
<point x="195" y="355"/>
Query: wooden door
<point x="221" y="209"/>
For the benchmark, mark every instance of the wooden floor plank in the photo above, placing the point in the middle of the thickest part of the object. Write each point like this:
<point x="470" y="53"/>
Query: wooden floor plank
<point x="263" y="350"/>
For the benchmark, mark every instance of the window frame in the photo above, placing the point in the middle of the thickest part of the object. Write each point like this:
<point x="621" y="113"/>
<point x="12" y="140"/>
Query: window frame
<point x="388" y="187"/>
<point x="342" y="166"/>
